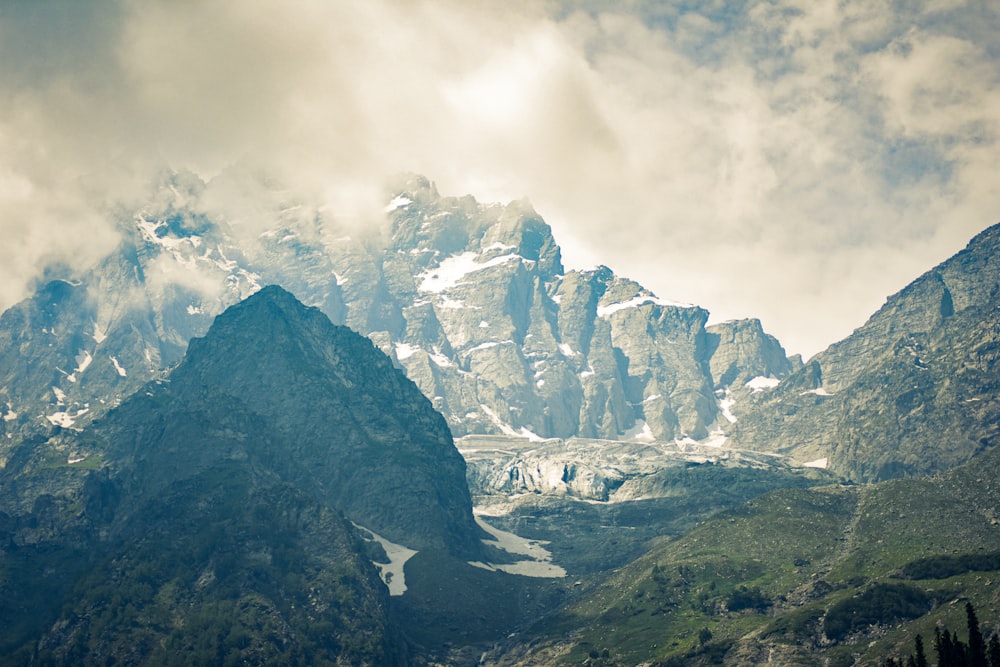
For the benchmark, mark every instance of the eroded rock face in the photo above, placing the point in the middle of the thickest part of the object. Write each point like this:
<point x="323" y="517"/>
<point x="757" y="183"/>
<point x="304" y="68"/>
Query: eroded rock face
<point x="219" y="501"/>
<point x="740" y="350"/>
<point x="471" y="300"/>
<point x="913" y="391"/>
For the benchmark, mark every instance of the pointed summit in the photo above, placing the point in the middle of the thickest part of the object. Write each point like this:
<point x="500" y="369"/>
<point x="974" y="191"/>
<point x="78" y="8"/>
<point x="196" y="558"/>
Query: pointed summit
<point x="275" y="383"/>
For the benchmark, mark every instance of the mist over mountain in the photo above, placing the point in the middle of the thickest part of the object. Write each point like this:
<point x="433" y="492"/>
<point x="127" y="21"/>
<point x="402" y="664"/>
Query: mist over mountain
<point x="464" y="334"/>
<point x="470" y="299"/>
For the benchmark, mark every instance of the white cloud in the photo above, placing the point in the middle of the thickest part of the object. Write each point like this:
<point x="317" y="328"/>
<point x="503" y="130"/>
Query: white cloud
<point x="796" y="161"/>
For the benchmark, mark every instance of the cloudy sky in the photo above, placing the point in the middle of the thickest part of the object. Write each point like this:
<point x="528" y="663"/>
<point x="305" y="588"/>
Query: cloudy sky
<point x="793" y="160"/>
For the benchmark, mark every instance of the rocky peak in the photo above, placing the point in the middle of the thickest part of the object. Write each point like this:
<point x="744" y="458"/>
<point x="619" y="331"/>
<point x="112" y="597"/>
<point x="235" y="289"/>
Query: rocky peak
<point x="341" y="420"/>
<point x="969" y="279"/>
<point x="471" y="300"/>
<point x="740" y="350"/>
<point x="913" y="391"/>
<point x="522" y="229"/>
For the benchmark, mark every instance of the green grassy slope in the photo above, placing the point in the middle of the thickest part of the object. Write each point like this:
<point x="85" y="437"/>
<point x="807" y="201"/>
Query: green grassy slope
<point x="775" y="579"/>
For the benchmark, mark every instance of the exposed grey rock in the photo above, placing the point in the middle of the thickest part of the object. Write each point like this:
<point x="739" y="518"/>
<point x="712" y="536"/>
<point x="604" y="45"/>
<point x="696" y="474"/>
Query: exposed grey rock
<point x="913" y="391"/>
<point x="471" y="300"/>
<point x="739" y="351"/>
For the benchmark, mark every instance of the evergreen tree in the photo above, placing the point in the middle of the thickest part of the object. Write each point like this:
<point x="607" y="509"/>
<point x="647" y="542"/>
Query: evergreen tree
<point x="919" y="658"/>
<point x="950" y="650"/>
<point x="977" y="647"/>
<point x="994" y="650"/>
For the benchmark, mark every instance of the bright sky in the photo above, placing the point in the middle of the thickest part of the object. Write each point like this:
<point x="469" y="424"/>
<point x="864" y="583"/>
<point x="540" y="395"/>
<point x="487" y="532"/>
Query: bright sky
<point x="792" y="160"/>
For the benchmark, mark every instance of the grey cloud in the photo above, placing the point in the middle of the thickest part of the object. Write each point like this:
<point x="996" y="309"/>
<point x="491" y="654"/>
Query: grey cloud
<point x="755" y="161"/>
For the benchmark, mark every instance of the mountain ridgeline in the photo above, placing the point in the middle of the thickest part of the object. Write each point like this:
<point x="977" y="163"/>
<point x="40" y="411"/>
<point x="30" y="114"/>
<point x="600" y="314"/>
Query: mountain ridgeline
<point x="231" y="442"/>
<point x="472" y="301"/>
<point x="216" y="499"/>
<point x="914" y="391"/>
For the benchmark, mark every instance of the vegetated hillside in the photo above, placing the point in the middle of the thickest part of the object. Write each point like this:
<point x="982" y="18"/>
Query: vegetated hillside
<point x="916" y="390"/>
<point x="794" y="577"/>
<point x="203" y="520"/>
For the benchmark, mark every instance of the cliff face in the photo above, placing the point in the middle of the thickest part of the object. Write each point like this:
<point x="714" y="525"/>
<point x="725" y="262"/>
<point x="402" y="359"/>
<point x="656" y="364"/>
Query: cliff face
<point x="471" y="300"/>
<point x="740" y="350"/>
<point x="913" y="391"/>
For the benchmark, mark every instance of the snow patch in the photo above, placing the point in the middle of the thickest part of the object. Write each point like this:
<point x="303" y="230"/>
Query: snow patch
<point x="505" y="428"/>
<point x="441" y="360"/>
<point x="497" y="246"/>
<point x="118" y="366"/>
<point x="391" y="572"/>
<point x="818" y="391"/>
<point x="567" y="350"/>
<point x="539" y="563"/>
<point x="484" y="324"/>
<point x="818" y="463"/>
<point x="98" y="335"/>
<point x="453" y="304"/>
<point x="488" y="344"/>
<point x="726" y="408"/>
<point x="399" y="201"/>
<point x="83" y="360"/>
<point x="193" y="310"/>
<point x="761" y="383"/>
<point x="60" y="395"/>
<point x="405" y="350"/>
<point x="636" y="301"/>
<point x="10" y="415"/>
<point x="640" y="431"/>
<point x="65" y="419"/>
<point x="454" y="268"/>
<point x="149" y="229"/>
<point x="715" y="439"/>
<point x="340" y="279"/>
<point x="531" y="435"/>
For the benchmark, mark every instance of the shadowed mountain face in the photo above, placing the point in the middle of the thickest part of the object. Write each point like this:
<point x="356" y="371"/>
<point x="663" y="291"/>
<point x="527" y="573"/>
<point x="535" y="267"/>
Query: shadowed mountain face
<point x="223" y="489"/>
<point x="913" y="391"/>
<point x="334" y="418"/>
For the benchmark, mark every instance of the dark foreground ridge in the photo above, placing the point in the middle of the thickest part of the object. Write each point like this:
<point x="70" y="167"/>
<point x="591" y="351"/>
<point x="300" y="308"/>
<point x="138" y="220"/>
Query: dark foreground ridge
<point x="207" y="516"/>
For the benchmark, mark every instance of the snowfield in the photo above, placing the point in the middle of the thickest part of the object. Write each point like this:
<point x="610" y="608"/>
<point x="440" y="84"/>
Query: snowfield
<point x="391" y="572"/>
<point x="539" y="561"/>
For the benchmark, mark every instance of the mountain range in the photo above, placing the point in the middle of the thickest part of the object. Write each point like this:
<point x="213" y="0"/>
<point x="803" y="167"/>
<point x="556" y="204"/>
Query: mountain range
<point x="198" y="462"/>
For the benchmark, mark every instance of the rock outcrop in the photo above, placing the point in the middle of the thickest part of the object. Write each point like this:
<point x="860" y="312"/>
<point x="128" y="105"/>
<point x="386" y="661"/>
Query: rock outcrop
<point x="471" y="300"/>
<point x="913" y="391"/>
